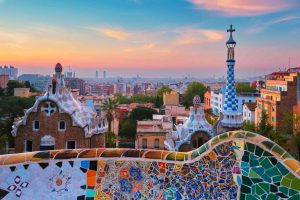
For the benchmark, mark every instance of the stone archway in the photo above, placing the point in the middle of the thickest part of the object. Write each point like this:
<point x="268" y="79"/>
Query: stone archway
<point x="197" y="139"/>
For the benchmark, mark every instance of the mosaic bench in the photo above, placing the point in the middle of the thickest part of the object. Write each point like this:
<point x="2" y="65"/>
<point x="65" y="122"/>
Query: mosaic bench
<point x="233" y="165"/>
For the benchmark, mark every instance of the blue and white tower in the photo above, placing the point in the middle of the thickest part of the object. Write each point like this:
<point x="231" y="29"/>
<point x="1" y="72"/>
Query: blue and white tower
<point x="231" y="117"/>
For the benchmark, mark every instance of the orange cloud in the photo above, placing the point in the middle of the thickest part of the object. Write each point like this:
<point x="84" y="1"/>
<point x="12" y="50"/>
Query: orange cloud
<point x="191" y="36"/>
<point x="243" y="7"/>
<point x="113" y="33"/>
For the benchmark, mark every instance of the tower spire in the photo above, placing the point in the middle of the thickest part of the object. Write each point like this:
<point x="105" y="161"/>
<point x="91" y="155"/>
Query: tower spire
<point x="232" y="118"/>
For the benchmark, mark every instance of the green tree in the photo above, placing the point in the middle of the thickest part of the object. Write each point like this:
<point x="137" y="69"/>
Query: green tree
<point x="142" y="113"/>
<point x="249" y="126"/>
<point x="27" y="84"/>
<point x="128" y="128"/>
<point x="264" y="128"/>
<point x="109" y="106"/>
<point x="11" y="85"/>
<point x="1" y="92"/>
<point x="129" y="125"/>
<point x="193" y="89"/>
<point x="110" y="140"/>
<point x="10" y="108"/>
<point x="244" y="87"/>
<point x="162" y="90"/>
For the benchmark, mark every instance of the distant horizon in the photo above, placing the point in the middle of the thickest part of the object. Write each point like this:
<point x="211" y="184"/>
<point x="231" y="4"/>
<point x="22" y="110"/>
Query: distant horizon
<point x="201" y="73"/>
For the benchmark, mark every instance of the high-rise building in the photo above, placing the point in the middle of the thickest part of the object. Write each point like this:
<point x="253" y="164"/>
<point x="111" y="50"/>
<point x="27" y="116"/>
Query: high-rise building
<point x="97" y="74"/>
<point x="232" y="118"/>
<point x="11" y="71"/>
<point x="104" y="74"/>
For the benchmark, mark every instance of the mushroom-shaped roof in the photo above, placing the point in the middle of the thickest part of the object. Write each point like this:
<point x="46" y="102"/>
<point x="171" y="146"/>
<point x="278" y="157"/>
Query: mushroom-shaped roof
<point x="197" y="100"/>
<point x="58" y="67"/>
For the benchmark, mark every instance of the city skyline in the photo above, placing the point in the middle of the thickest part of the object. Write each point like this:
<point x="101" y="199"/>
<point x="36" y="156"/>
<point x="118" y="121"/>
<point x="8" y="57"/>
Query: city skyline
<point x="142" y="37"/>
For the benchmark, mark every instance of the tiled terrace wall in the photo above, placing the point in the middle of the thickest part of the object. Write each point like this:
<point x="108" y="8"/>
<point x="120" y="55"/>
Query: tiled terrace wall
<point x="234" y="165"/>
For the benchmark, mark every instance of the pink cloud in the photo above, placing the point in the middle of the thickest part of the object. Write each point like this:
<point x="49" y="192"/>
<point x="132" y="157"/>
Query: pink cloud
<point x="243" y="7"/>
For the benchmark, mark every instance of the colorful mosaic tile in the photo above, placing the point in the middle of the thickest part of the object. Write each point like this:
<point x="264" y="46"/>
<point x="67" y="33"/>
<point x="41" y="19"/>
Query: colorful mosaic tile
<point x="234" y="165"/>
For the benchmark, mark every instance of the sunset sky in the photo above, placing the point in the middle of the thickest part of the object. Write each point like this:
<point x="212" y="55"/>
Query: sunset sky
<point x="149" y="37"/>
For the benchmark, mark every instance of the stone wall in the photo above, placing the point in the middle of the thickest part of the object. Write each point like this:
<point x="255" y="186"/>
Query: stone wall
<point x="233" y="165"/>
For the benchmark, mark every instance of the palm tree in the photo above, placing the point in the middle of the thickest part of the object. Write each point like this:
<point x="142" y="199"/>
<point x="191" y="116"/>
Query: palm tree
<point x="109" y="106"/>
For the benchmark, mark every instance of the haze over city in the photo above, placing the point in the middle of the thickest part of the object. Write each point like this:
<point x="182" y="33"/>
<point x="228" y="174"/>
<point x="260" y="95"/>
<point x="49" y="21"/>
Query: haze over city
<point x="149" y="37"/>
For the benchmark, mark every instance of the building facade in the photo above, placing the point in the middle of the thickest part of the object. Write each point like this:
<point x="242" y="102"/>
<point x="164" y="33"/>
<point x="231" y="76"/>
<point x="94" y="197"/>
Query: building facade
<point x="249" y="112"/>
<point x="171" y="98"/>
<point x="22" y="92"/>
<point x="3" y="81"/>
<point x="207" y="100"/>
<point x="58" y="121"/>
<point x="278" y="98"/>
<point x="152" y="134"/>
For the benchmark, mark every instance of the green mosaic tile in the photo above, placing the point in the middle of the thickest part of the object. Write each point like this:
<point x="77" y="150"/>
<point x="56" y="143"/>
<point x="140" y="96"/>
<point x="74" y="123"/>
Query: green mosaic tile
<point x="284" y="190"/>
<point x="247" y="181"/>
<point x="295" y="197"/>
<point x="258" y="151"/>
<point x="253" y="162"/>
<point x="282" y="169"/>
<point x="195" y="154"/>
<point x="259" y="190"/>
<point x="214" y="141"/>
<point x="239" y="135"/>
<point x="276" y="178"/>
<point x="292" y="192"/>
<point x="259" y="170"/>
<point x="272" y="197"/>
<point x="266" y="178"/>
<point x="286" y="155"/>
<point x="266" y="163"/>
<point x="223" y="136"/>
<point x="245" y="189"/>
<point x="286" y="182"/>
<point x="250" y="147"/>
<point x="273" y="188"/>
<point x="245" y="158"/>
<point x="253" y="174"/>
<point x="256" y="180"/>
<point x="171" y="156"/>
<point x="264" y="196"/>
<point x="265" y="187"/>
<point x="273" y="171"/>
<point x="266" y="153"/>
<point x="242" y="196"/>
<point x="203" y="148"/>
<point x="278" y="149"/>
<point x="250" y="197"/>
<point x="268" y="144"/>
<point x="295" y="184"/>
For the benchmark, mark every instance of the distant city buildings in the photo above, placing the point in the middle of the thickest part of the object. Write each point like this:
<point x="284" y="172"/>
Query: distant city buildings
<point x="11" y="71"/>
<point x="38" y="81"/>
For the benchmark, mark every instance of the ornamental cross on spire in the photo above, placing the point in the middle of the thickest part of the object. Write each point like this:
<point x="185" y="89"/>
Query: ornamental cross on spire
<point x="231" y="29"/>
